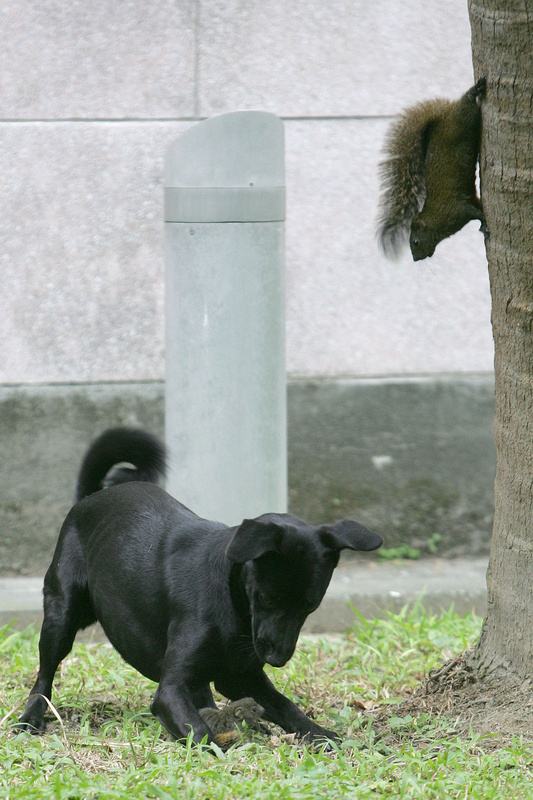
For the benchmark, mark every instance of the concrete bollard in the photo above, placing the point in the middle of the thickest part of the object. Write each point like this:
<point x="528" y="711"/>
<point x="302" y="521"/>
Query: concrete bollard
<point x="225" y="362"/>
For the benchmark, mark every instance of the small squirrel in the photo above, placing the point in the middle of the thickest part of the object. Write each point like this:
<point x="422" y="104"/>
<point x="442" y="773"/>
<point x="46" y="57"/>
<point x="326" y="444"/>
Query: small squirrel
<point x="429" y="174"/>
<point x="225" y="722"/>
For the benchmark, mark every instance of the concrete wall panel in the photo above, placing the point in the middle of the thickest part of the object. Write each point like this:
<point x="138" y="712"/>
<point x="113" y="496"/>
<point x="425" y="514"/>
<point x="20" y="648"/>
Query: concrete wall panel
<point x="350" y="311"/>
<point x="81" y="251"/>
<point x="82" y="260"/>
<point x="343" y="57"/>
<point x="81" y="205"/>
<point x="102" y="59"/>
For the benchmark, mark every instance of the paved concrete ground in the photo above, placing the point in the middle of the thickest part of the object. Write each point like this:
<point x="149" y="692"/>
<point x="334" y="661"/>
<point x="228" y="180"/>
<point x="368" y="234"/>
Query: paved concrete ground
<point x="372" y="588"/>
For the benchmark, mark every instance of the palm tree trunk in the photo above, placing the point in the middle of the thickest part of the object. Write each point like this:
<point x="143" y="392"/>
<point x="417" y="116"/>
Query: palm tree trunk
<point x="502" y="47"/>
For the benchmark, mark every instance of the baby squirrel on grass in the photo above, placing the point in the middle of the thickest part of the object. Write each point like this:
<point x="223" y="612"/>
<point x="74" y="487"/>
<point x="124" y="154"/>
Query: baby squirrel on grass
<point x="429" y="175"/>
<point x="225" y="722"/>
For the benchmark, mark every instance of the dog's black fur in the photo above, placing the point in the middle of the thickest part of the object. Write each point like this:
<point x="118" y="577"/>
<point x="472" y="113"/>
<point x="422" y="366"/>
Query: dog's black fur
<point x="184" y="600"/>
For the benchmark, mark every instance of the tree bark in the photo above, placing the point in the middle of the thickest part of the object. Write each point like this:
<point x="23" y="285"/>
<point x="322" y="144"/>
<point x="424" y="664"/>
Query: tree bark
<point x="502" y="48"/>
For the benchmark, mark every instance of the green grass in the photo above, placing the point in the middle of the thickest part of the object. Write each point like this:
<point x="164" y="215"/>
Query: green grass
<point x="402" y="551"/>
<point x="109" y="746"/>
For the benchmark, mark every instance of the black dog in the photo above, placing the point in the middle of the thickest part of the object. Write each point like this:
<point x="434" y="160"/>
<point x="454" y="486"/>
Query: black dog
<point x="183" y="600"/>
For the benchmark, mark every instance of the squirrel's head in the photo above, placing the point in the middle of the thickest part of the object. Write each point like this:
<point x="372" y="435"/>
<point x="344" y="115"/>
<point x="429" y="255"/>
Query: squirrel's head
<point x="422" y="240"/>
<point x="248" y="707"/>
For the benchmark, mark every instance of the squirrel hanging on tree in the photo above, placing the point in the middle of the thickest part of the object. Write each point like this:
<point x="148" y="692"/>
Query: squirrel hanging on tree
<point x="429" y="174"/>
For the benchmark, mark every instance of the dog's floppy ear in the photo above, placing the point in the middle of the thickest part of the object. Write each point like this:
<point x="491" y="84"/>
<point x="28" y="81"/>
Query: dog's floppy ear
<point x="348" y="534"/>
<point x="252" y="539"/>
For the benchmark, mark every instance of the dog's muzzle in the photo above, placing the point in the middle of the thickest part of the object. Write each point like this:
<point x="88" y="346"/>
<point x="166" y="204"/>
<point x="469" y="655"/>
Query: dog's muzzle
<point x="276" y="657"/>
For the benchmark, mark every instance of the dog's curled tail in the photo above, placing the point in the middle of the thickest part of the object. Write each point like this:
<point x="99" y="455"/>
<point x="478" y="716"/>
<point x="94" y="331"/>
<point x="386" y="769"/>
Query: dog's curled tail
<point x="141" y="456"/>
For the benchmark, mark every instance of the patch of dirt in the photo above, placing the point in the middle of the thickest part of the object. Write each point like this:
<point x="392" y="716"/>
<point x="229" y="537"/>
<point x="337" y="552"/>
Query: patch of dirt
<point x="499" y="705"/>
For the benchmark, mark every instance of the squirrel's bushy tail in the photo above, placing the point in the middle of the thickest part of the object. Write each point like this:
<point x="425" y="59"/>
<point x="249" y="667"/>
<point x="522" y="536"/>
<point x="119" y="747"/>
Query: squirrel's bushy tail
<point x="403" y="189"/>
<point x="132" y="446"/>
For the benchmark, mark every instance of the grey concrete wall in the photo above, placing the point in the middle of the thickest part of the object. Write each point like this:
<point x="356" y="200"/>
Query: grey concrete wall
<point x="409" y="457"/>
<point x="92" y="94"/>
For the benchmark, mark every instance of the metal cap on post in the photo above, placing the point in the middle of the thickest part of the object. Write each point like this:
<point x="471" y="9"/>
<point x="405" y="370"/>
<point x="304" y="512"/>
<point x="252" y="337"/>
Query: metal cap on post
<point x="225" y="364"/>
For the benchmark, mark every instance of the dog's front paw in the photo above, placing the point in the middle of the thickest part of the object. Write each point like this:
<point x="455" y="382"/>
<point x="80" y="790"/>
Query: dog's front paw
<point x="30" y="723"/>
<point x="32" y="720"/>
<point x="321" y="736"/>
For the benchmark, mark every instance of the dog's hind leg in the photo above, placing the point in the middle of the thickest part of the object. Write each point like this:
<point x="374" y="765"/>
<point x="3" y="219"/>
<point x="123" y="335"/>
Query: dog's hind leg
<point x="67" y="608"/>
<point x="61" y="622"/>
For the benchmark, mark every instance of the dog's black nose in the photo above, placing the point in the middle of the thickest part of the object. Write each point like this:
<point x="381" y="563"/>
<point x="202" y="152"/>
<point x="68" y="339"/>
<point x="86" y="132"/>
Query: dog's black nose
<point x="267" y="652"/>
<point x="276" y="660"/>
